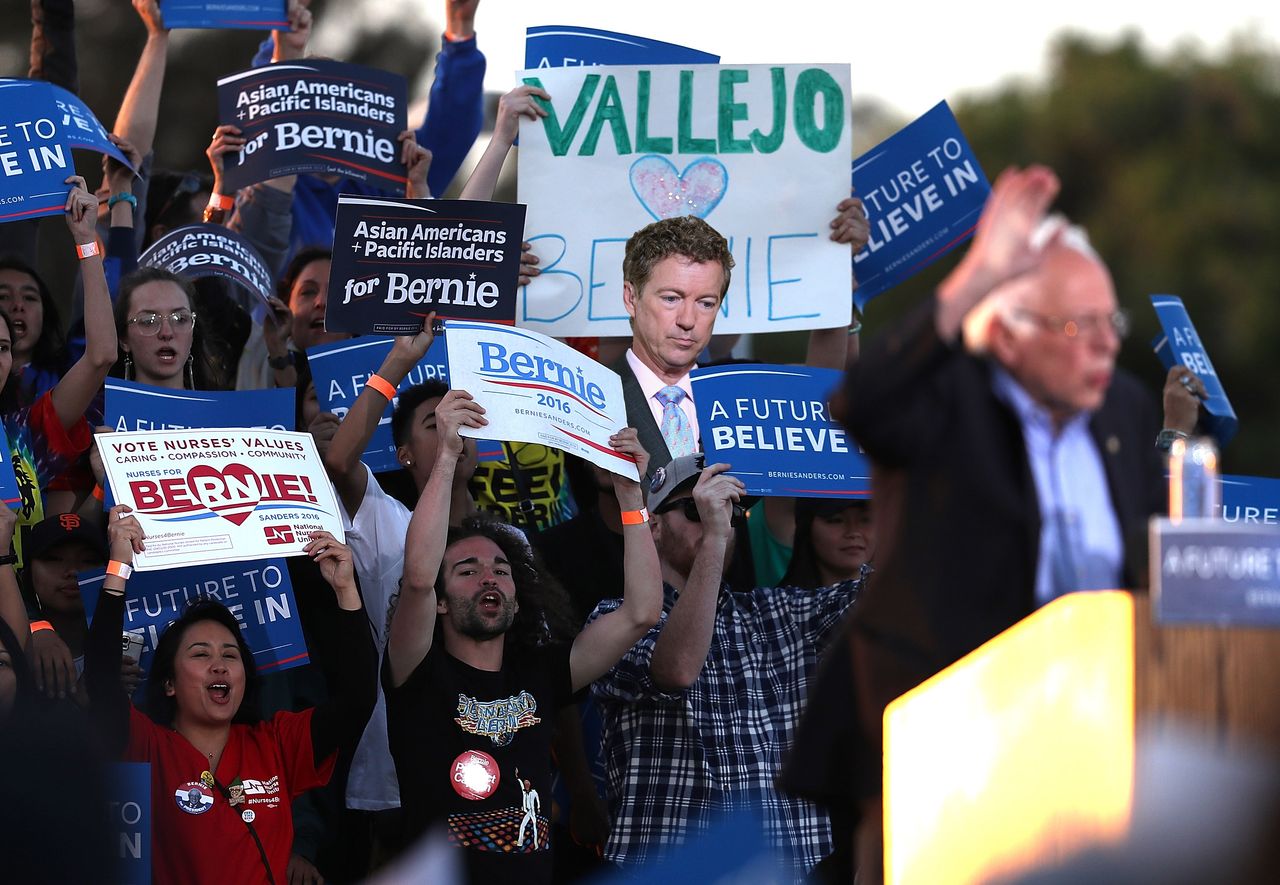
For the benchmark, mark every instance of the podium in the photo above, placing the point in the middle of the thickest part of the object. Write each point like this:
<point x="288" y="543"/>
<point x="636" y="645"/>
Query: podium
<point x="1023" y="753"/>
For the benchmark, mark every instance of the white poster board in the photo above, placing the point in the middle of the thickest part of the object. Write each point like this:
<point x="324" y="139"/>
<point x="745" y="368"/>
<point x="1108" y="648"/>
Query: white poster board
<point x="761" y="152"/>
<point x="220" y="495"/>
<point x="535" y="389"/>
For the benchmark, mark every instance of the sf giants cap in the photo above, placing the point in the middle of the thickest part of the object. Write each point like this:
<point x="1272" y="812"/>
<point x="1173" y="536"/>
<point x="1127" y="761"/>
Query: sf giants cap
<point x="59" y="528"/>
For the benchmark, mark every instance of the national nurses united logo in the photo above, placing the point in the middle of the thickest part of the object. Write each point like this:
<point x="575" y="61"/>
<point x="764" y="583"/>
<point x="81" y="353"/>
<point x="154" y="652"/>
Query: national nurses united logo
<point x="193" y="797"/>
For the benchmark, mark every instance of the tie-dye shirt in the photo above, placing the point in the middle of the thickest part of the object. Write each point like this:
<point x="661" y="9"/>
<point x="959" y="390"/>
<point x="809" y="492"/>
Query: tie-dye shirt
<point x="40" y="449"/>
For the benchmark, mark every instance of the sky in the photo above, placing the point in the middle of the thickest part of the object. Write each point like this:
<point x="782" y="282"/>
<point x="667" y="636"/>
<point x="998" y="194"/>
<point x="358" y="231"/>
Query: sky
<point x="906" y="55"/>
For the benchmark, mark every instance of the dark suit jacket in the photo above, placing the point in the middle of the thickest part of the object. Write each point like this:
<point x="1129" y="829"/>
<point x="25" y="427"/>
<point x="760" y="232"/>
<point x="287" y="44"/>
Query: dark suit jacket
<point x="956" y="506"/>
<point x="640" y="417"/>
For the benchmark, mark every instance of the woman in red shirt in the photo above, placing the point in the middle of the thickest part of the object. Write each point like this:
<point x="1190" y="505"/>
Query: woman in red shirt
<point x="221" y="780"/>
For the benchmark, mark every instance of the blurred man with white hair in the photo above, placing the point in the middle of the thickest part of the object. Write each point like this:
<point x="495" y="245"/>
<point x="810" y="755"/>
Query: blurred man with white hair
<point x="1003" y="477"/>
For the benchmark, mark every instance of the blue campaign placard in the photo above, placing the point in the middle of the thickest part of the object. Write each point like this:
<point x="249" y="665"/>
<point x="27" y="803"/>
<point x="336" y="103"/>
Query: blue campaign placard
<point x="258" y="593"/>
<point x="395" y="261"/>
<point x="923" y="190"/>
<point x="315" y="116"/>
<point x="1250" y="500"/>
<point x="40" y="125"/>
<point x="558" y="46"/>
<point x="9" y="494"/>
<point x="772" y="425"/>
<point x="1205" y="571"/>
<point x="211" y="250"/>
<point x="256" y="15"/>
<point x="1180" y="345"/>
<point x="129" y="816"/>
<point x="340" y="370"/>
<point x="133" y="406"/>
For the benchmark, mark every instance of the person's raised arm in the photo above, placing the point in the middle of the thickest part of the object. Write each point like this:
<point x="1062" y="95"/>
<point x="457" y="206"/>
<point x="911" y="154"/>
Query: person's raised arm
<point x="517" y="103"/>
<point x="291" y="44"/>
<point x="340" y="720"/>
<point x="606" y="639"/>
<point x="1001" y="249"/>
<point x="417" y="163"/>
<point x="12" y="609"/>
<point x="414" y="620"/>
<point x="81" y="383"/>
<point x="829" y="348"/>
<point x="342" y="461"/>
<point x="108" y="702"/>
<point x="140" y="107"/>
<point x="681" y="648"/>
<point x="455" y="110"/>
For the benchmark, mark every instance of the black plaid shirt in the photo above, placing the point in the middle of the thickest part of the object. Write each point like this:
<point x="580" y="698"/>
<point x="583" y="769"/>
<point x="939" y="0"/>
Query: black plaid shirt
<point x="676" y="761"/>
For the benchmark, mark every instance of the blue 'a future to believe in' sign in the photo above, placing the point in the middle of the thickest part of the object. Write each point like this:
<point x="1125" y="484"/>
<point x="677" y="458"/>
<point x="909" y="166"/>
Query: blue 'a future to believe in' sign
<point x="340" y="371"/>
<point x="771" y="424"/>
<point x="256" y="15"/>
<point x="129" y="816"/>
<point x="258" y="593"/>
<point x="40" y="125"/>
<point x="1180" y="345"/>
<point x="9" y="494"/>
<point x="1250" y="499"/>
<point x="315" y="116"/>
<point x="923" y="191"/>
<point x="558" y="46"/>
<point x="396" y="261"/>
<point x="133" y="406"/>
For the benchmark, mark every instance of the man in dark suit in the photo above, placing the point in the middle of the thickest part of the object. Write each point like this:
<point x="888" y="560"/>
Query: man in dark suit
<point x="1006" y="473"/>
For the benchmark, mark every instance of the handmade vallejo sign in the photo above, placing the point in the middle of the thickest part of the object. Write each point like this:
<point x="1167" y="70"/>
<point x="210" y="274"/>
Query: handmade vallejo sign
<point x="211" y="250"/>
<point x="259" y="594"/>
<point x="559" y="46"/>
<point x="923" y="191"/>
<point x="535" y="389"/>
<point x="257" y="15"/>
<point x="315" y="116"/>
<point x="220" y="495"/>
<point x="637" y="144"/>
<point x="396" y="261"/>
<point x="772" y="425"/>
<point x="133" y="406"/>
<point x="40" y="125"/>
<point x="1180" y="345"/>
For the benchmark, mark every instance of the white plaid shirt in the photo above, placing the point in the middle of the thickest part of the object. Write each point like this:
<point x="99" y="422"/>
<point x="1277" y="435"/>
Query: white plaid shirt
<point x="676" y="762"/>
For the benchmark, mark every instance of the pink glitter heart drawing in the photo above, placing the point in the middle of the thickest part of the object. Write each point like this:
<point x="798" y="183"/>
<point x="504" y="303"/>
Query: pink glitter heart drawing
<point x="666" y="193"/>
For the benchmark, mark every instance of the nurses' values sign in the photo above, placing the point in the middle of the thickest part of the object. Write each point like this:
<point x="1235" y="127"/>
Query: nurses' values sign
<point x="220" y="495"/>
<point x="40" y="125"/>
<point x="315" y="116"/>
<point x="923" y="191"/>
<point x="257" y="15"/>
<point x="536" y="389"/>
<point x="259" y="595"/>
<point x="396" y="261"/>
<point x="1180" y="345"/>
<point x="211" y="250"/>
<point x="772" y="425"/>
<point x="761" y="152"/>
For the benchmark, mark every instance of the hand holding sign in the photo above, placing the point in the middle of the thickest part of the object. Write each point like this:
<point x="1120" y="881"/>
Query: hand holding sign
<point x="457" y="409"/>
<point x="627" y="442"/>
<point x="335" y="562"/>
<point x="125" y="536"/>
<point x="715" y="494"/>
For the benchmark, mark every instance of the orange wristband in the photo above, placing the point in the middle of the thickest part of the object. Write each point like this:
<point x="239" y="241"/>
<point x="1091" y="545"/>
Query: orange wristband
<point x="382" y="385"/>
<point x="37" y="626"/>
<point x="87" y="250"/>
<point x="120" y="569"/>
<point x="99" y="493"/>
<point x="218" y="201"/>
<point x="635" y="517"/>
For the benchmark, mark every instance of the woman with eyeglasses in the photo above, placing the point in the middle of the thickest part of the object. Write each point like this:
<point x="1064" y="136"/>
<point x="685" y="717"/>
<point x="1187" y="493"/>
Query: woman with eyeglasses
<point x="160" y="343"/>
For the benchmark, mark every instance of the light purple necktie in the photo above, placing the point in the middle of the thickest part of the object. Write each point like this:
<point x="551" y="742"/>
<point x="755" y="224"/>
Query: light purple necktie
<point x="676" y="429"/>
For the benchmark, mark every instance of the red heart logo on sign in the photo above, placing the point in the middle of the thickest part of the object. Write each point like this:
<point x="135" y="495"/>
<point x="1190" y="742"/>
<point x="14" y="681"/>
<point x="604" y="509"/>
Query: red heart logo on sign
<point x="232" y="492"/>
